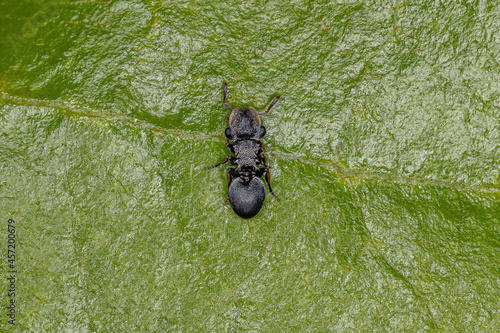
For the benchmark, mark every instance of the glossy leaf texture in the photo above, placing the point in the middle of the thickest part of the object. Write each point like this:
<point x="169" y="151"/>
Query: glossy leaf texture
<point x="384" y="147"/>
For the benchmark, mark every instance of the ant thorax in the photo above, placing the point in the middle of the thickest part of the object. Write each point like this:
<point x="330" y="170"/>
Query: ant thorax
<point x="248" y="153"/>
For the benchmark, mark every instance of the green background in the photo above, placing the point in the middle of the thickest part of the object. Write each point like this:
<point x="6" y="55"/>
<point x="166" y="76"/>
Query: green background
<point x="384" y="149"/>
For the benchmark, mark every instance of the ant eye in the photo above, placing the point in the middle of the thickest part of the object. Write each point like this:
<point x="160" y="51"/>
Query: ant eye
<point x="228" y="133"/>
<point x="262" y="131"/>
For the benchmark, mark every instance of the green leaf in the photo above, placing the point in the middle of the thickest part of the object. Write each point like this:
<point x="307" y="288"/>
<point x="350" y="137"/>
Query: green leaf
<point x="384" y="150"/>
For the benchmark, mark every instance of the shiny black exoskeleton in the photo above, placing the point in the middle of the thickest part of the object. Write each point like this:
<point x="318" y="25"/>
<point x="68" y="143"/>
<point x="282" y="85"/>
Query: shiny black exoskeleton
<point x="244" y="135"/>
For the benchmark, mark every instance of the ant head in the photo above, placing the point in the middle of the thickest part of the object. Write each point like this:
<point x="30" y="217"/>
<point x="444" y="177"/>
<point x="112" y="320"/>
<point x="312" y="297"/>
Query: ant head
<point x="245" y="124"/>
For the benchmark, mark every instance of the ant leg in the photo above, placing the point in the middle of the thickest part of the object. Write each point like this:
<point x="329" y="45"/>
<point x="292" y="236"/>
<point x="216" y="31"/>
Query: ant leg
<point x="227" y="158"/>
<point x="261" y="147"/>
<point x="263" y="160"/>
<point x="268" y="180"/>
<point x="230" y="146"/>
<point x="224" y="100"/>
<point x="271" y="105"/>
<point x="261" y="154"/>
